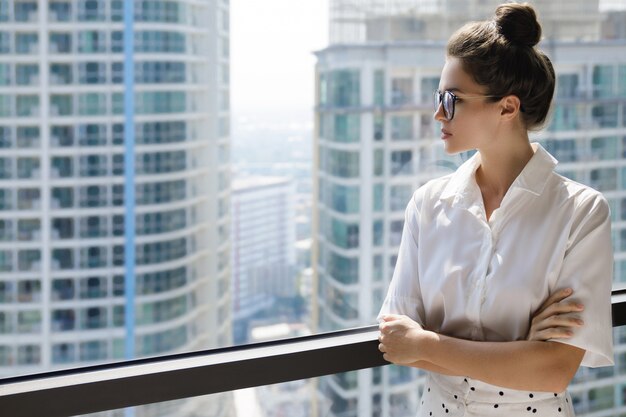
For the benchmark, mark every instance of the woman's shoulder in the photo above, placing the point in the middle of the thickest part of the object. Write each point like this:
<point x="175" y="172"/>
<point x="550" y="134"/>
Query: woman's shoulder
<point x="583" y="198"/>
<point x="432" y="189"/>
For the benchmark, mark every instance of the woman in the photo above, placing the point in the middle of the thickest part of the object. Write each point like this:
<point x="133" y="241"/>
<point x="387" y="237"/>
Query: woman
<point x="502" y="240"/>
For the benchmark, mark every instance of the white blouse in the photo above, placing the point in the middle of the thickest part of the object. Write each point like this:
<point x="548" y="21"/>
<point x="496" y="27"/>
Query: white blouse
<point x="463" y="276"/>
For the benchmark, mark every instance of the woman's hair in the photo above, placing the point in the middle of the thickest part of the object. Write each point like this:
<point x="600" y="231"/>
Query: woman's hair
<point x="502" y="56"/>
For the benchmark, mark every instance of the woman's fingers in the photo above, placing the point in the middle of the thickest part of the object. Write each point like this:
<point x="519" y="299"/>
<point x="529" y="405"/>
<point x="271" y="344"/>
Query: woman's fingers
<point x="552" y="333"/>
<point x="557" y="321"/>
<point x="555" y="298"/>
<point x="558" y="308"/>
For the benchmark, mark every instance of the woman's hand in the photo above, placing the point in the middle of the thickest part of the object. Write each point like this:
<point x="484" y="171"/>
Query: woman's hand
<point x="552" y="321"/>
<point x="400" y="339"/>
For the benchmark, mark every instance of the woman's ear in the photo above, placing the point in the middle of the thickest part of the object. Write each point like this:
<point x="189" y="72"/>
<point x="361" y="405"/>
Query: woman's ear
<point x="510" y="107"/>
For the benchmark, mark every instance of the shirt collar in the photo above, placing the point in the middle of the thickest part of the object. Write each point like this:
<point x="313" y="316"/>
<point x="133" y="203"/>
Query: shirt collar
<point x="462" y="186"/>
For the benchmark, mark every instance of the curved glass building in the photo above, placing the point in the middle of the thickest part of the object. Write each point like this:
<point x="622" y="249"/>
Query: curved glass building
<point x="62" y="205"/>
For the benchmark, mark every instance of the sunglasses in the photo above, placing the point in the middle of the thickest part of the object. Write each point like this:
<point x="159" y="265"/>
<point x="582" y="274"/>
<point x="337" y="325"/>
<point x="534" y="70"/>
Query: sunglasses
<point x="448" y="99"/>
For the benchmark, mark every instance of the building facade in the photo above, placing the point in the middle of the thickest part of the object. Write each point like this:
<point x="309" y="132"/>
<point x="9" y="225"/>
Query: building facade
<point x="62" y="205"/>
<point x="263" y="247"/>
<point x="376" y="142"/>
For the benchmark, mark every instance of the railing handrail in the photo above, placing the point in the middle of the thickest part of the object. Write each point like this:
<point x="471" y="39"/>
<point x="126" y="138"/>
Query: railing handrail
<point x="116" y="385"/>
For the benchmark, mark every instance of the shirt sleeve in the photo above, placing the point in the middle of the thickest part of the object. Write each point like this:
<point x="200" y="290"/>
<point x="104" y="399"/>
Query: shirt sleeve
<point x="588" y="269"/>
<point x="404" y="295"/>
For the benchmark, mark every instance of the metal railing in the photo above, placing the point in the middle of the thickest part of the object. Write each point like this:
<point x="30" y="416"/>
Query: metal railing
<point x="131" y="383"/>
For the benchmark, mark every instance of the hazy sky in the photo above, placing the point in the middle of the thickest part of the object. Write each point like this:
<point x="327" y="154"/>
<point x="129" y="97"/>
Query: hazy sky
<point x="272" y="65"/>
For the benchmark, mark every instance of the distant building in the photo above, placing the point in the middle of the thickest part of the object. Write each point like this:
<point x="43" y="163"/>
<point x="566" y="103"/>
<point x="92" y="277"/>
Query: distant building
<point x="377" y="142"/>
<point x="263" y="247"/>
<point x="62" y="178"/>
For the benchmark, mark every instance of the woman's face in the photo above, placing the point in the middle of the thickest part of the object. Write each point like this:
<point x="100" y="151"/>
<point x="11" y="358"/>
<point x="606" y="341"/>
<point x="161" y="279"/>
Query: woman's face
<point x="475" y="121"/>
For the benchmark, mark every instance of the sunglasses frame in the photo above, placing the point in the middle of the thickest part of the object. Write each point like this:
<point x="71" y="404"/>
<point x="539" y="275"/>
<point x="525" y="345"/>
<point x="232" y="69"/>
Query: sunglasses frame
<point x="440" y="100"/>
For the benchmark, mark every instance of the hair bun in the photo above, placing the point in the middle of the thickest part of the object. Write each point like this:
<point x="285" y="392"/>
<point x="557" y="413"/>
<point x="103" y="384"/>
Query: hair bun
<point x="518" y="24"/>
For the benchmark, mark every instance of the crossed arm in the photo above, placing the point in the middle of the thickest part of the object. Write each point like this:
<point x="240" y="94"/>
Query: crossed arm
<point x="532" y="365"/>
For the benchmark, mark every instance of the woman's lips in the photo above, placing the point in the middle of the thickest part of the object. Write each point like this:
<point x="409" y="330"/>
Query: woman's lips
<point x="445" y="134"/>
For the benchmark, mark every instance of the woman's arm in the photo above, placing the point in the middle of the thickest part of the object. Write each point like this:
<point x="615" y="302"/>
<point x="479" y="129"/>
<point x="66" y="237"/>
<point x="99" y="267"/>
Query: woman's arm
<point x="550" y="321"/>
<point x="522" y="365"/>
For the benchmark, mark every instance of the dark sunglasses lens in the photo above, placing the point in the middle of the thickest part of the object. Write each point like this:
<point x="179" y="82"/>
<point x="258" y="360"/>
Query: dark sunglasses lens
<point x="448" y="105"/>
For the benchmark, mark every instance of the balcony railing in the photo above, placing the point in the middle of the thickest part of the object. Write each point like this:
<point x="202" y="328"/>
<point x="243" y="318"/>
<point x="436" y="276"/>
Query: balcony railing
<point x="131" y="383"/>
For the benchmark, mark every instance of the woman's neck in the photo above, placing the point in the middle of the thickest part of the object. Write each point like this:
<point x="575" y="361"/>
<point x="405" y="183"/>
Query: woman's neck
<point x="500" y="165"/>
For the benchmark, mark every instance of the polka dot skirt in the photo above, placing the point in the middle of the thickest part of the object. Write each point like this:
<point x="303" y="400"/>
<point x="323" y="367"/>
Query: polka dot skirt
<point x="457" y="396"/>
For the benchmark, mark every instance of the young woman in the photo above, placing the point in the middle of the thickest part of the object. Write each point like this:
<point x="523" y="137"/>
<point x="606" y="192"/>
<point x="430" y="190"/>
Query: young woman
<point x="501" y="262"/>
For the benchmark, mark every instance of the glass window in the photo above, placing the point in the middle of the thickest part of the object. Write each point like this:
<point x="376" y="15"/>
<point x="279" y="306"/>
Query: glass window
<point x="6" y="107"/>
<point x="28" y="355"/>
<point x="117" y="41"/>
<point x="401" y="91"/>
<point x="344" y="88"/>
<point x="63" y="353"/>
<point x="91" y="10"/>
<point x="92" y="73"/>
<point x="28" y="168"/>
<point x="395" y="232"/>
<point x="428" y="86"/>
<point x="29" y="291"/>
<point x="379" y="88"/>
<point x="62" y="135"/>
<point x="27" y="105"/>
<point x="5" y="42"/>
<point x="61" y="105"/>
<point x="63" y="259"/>
<point x="92" y="135"/>
<point x="93" y="196"/>
<point x="93" y="166"/>
<point x="93" y="287"/>
<point x="5" y="74"/>
<point x="60" y="74"/>
<point x="62" y="197"/>
<point x="117" y="72"/>
<point x="621" y="85"/>
<point x="63" y="289"/>
<point x="25" y="11"/>
<point x="4" y="11"/>
<point x="604" y="148"/>
<point x="60" y="11"/>
<point x="62" y="228"/>
<point x="159" y="41"/>
<point x="60" y="43"/>
<point x="399" y="196"/>
<point x="603" y="179"/>
<point x="93" y="350"/>
<point x="26" y="43"/>
<point x="91" y="41"/>
<point x="603" y="81"/>
<point x="156" y="102"/>
<point x="345" y="235"/>
<point x="342" y="163"/>
<point x="379" y="127"/>
<point x="27" y="74"/>
<point x="604" y="115"/>
<point x="6" y="168"/>
<point x="160" y="72"/>
<point x="347" y="128"/>
<point x="6" y="137"/>
<point x="401" y="127"/>
<point x="564" y="150"/>
<point x="378" y="191"/>
<point x="92" y="104"/>
<point x="29" y="321"/>
<point x="401" y="162"/>
<point x="63" y="320"/>
<point x="28" y="198"/>
<point x="567" y="86"/>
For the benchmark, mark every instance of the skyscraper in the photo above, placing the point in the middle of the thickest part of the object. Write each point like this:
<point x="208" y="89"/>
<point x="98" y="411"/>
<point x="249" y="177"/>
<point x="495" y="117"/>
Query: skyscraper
<point x="377" y="142"/>
<point x="62" y="153"/>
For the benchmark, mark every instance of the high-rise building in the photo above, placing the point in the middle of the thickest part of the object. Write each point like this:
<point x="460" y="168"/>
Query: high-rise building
<point x="62" y="204"/>
<point x="263" y="247"/>
<point x="376" y="142"/>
